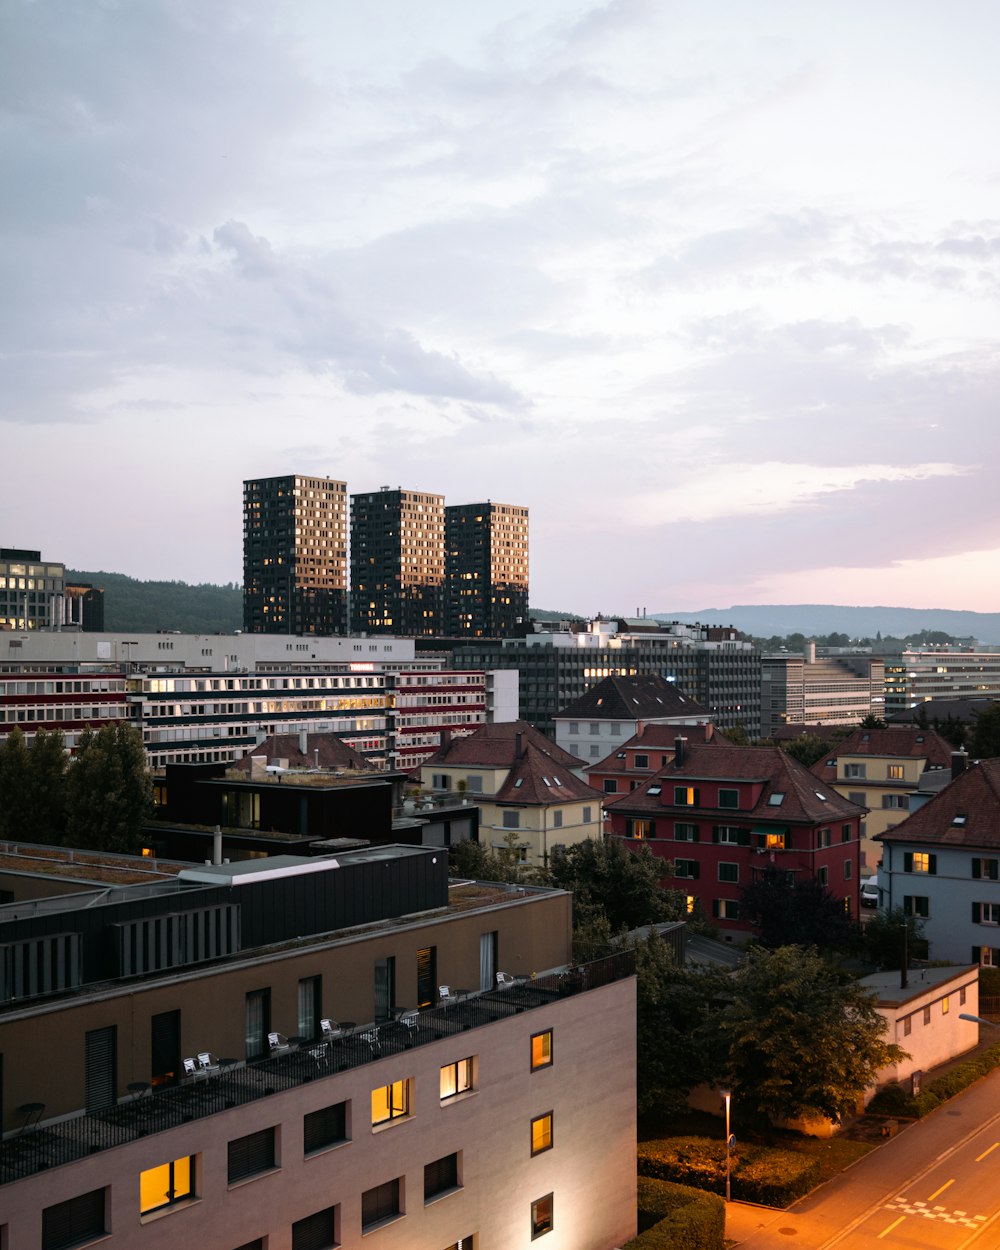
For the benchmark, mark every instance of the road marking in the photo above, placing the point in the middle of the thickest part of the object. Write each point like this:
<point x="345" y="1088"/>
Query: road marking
<point x="886" y="1231"/>
<point x="941" y="1190"/>
<point x="981" y="1157"/>
<point x="923" y="1210"/>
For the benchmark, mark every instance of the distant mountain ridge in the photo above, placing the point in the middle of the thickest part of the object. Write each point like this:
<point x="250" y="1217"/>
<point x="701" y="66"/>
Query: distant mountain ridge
<point x="766" y="619"/>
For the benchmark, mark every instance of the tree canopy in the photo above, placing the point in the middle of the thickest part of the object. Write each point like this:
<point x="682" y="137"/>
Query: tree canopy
<point x="610" y="879"/>
<point x="109" y="790"/>
<point x="796" y="911"/>
<point x="801" y="1039"/>
<point x="33" y="786"/>
<point x="984" y="743"/>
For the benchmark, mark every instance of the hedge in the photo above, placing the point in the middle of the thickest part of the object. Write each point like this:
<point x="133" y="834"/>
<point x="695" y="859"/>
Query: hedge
<point x="895" y="1099"/>
<point x="763" y="1174"/>
<point x="685" y="1218"/>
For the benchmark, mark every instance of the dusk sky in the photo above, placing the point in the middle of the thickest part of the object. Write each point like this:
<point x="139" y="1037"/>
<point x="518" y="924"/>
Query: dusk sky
<point x="712" y="289"/>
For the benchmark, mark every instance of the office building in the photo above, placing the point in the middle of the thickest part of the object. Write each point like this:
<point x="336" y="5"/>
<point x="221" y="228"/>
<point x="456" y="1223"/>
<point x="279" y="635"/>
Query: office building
<point x="274" y="1054"/>
<point x="397" y="563"/>
<point x="295" y="555"/>
<point x="834" y="690"/>
<point x="916" y="675"/>
<point x="486" y="570"/>
<point x="35" y="595"/>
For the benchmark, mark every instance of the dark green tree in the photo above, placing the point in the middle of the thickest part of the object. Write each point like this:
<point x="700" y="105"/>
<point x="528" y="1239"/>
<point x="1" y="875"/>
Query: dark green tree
<point x="802" y="1039"/>
<point x="954" y="731"/>
<point x="480" y="863"/>
<point x="882" y="938"/>
<point x="610" y="879"/>
<point x="807" y="748"/>
<point x="109" y="792"/>
<point x="985" y="741"/>
<point x="47" y="764"/>
<point x="871" y="721"/>
<point x="15" y="789"/>
<point x="737" y="735"/>
<point x="793" y="911"/>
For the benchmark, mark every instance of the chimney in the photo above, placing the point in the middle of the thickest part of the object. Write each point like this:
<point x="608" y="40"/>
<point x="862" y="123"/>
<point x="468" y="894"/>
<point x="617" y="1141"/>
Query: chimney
<point x="518" y="745"/>
<point x="217" y="845"/>
<point x="810" y="652"/>
<point x="304" y="741"/>
<point x="679" y="745"/>
<point x="959" y="761"/>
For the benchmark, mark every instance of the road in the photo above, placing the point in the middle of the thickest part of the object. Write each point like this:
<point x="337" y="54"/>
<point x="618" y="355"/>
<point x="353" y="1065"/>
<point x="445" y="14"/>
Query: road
<point x="934" y="1187"/>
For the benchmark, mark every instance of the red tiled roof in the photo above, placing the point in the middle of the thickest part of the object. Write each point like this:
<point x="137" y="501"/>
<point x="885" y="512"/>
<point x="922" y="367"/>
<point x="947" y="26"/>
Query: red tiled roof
<point x="972" y="800"/>
<point x="899" y="742"/>
<point x="536" y="780"/>
<point x="660" y="738"/>
<point x="805" y="798"/>
<point x="496" y="745"/>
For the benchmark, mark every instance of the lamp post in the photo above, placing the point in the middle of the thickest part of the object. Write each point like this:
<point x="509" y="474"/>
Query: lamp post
<point x="727" y="1098"/>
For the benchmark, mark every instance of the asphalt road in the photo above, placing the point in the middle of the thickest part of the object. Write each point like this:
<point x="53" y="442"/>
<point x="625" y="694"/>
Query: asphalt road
<point x="936" y="1186"/>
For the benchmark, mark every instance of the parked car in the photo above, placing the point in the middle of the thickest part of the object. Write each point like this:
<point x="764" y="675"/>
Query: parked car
<point x="869" y="892"/>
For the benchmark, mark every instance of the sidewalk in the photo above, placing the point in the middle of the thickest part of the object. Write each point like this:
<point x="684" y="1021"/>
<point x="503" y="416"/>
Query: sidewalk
<point x="743" y="1219"/>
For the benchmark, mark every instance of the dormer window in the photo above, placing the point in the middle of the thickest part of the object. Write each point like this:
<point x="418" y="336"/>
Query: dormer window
<point x="729" y="798"/>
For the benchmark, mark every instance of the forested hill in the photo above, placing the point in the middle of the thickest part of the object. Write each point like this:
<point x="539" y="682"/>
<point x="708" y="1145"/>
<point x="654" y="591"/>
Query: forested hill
<point x="135" y="607"/>
<point x="812" y="619"/>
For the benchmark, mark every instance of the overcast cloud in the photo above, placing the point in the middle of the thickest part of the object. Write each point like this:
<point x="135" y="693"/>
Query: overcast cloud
<point x="712" y="289"/>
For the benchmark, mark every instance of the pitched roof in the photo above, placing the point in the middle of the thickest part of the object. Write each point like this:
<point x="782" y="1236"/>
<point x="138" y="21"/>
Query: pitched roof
<point x="805" y="799"/>
<point x="656" y="736"/>
<point x="897" y="742"/>
<point x="632" y="698"/>
<point x="536" y="780"/>
<point x="497" y="746"/>
<point x="323" y="750"/>
<point x="964" y="813"/>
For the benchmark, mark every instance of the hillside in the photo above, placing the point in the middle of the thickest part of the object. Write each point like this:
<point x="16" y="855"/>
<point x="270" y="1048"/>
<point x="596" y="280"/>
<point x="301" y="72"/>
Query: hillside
<point x="765" y="620"/>
<point x="133" y="606"/>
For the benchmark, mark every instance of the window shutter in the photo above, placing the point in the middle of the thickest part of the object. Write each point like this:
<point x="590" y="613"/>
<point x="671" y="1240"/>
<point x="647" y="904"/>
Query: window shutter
<point x="715" y="833"/>
<point x="932" y="864"/>
<point x="976" y="913"/>
<point x="744" y="836"/>
<point x="695" y="834"/>
<point x="695" y="869"/>
<point x="251" y="1154"/>
<point x="907" y="861"/>
<point x="977" y="866"/>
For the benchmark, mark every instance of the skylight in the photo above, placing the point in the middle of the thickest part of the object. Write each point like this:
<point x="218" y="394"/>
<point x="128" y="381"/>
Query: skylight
<point x="821" y="797"/>
<point x="654" y="790"/>
<point x="547" y="782"/>
<point x="958" y="818"/>
<point x="520" y="781"/>
<point x="776" y="799"/>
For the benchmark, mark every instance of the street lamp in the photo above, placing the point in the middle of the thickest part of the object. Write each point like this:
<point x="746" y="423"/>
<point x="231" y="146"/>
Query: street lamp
<point x="727" y="1098"/>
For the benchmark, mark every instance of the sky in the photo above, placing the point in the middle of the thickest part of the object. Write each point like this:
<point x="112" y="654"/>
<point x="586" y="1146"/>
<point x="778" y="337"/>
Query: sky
<point x="712" y="289"/>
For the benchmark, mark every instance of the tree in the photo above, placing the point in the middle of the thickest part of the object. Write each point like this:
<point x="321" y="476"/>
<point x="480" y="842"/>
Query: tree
<point x="882" y="938"/>
<point x="15" y="803"/>
<point x="985" y="741"/>
<point x="802" y="1040"/>
<point x="737" y="735"/>
<point x="47" y="762"/>
<point x="807" y="748"/>
<point x="871" y="721"/>
<point x="610" y="879"/>
<point x="472" y="859"/>
<point x="676" y="1022"/>
<point x="791" y="911"/>
<point x="109" y="791"/>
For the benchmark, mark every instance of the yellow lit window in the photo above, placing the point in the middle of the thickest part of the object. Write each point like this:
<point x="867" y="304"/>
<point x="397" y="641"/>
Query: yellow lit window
<point x="390" y="1102"/>
<point x="775" y="842"/>
<point x="541" y="1049"/>
<point x="690" y="902"/>
<point x="456" y="1078"/>
<point x="541" y="1133"/>
<point x="921" y="861"/>
<point x="945" y="1006"/>
<point x="166" y="1184"/>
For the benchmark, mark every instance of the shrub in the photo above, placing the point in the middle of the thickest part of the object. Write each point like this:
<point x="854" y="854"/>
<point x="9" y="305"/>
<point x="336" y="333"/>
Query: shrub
<point x="763" y="1174"/>
<point x="685" y="1218"/>
<point x="895" y="1099"/>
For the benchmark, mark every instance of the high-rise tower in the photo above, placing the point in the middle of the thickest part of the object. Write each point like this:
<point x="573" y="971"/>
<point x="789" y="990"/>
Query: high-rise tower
<point x="397" y="563"/>
<point x="486" y="569"/>
<point x="295" y="555"/>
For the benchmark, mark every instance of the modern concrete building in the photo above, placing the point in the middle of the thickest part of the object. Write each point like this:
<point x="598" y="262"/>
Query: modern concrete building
<point x="920" y="674"/>
<point x="819" y="690"/>
<point x="182" y="1063"/>
<point x="34" y="594"/>
<point x="294" y="555"/>
<point x="943" y="864"/>
<point x="397" y="563"/>
<point x="486" y="570"/>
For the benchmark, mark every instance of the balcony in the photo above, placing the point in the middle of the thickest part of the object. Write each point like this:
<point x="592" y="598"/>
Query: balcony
<point x="37" y="1148"/>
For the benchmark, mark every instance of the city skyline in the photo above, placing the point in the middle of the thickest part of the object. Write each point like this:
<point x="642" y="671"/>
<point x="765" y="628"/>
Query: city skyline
<point x="713" y="296"/>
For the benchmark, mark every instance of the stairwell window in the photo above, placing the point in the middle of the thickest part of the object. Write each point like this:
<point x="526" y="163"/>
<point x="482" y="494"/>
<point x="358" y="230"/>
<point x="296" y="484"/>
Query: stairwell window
<point x="164" y="1185"/>
<point x="391" y="1102"/>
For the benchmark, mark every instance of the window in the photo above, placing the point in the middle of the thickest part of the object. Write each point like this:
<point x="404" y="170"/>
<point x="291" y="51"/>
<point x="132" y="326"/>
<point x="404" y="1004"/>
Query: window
<point x="822" y="839"/>
<point x="456" y="1078"/>
<point x="987" y="869"/>
<point x="380" y="1204"/>
<point x="729" y="872"/>
<point x="574" y="727"/>
<point x="512" y="820"/>
<point x="776" y="799"/>
<point x="325" y="1127"/>
<point x="441" y="1177"/>
<point x="848" y="870"/>
<point x="896" y="802"/>
<point x="774" y="841"/>
<point x="907" y="1025"/>
<point x="725" y="909"/>
<point x="317" y="1231"/>
<point x="258" y="1022"/>
<point x="391" y="1102"/>
<point x="919" y="861"/>
<point x="73" y="1222"/>
<point x="587" y="816"/>
<point x="945" y="1005"/>
<point x="636" y="828"/>
<point x="894" y="772"/>
<point x="541" y="1216"/>
<point x="729" y="798"/>
<point x="427" y="976"/>
<point x="916" y="905"/>
<point x="730" y="835"/>
<point x="557" y="820"/>
<point x="595" y="751"/>
<point x="986" y="913"/>
<point x="541" y="1049"/>
<point x="823" y="875"/>
<point x="685" y="833"/>
<point x="855" y="770"/>
<point x="687" y="869"/>
<point x="858" y="798"/>
<point x="610" y="785"/>
<point x="310" y="1006"/>
<point x="595" y="727"/>
<point x="686" y="796"/>
<point x="642" y="761"/>
<point x="927" y="1015"/>
<point x="541" y="1133"/>
<point x="251" y="1155"/>
<point x="164" y="1185"/>
<point x="845" y="833"/>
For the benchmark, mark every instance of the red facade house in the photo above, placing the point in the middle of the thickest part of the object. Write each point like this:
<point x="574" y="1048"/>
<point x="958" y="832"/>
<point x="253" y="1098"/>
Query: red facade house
<point x="722" y="814"/>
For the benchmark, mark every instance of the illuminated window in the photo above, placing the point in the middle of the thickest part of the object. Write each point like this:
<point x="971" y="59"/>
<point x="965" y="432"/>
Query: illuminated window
<point x="541" y="1216"/>
<point x="541" y="1133"/>
<point x="919" y="861"/>
<point x="945" y="1005"/>
<point x="166" y="1184"/>
<point x="391" y="1102"/>
<point x="636" y="828"/>
<point x="686" y="796"/>
<point x="895" y="772"/>
<point x="456" y="1078"/>
<point x="775" y="841"/>
<point x="690" y="902"/>
<point x="541" y="1049"/>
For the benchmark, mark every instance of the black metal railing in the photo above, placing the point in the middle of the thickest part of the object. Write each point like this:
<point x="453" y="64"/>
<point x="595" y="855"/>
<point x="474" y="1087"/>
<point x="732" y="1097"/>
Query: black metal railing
<point x="233" y="1084"/>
